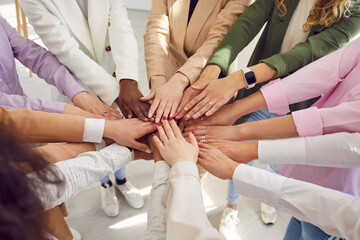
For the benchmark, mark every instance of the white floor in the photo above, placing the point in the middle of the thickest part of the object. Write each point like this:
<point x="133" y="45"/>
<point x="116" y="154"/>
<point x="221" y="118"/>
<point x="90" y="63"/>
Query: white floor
<point x="85" y="213"/>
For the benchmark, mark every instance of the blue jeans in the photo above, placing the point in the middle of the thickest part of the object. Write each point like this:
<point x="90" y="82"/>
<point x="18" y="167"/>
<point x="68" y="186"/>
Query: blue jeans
<point x="119" y="174"/>
<point x="298" y="230"/>
<point x="232" y="194"/>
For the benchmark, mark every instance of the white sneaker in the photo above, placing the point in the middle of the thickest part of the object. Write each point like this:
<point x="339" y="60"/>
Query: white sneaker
<point x="109" y="201"/>
<point x="268" y="213"/>
<point x="228" y="223"/>
<point x="131" y="194"/>
<point x="75" y="234"/>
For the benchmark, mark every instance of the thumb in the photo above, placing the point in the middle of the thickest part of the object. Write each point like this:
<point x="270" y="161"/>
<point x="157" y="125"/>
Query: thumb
<point x="192" y="139"/>
<point x="148" y="97"/>
<point x="140" y="146"/>
<point x="200" y="87"/>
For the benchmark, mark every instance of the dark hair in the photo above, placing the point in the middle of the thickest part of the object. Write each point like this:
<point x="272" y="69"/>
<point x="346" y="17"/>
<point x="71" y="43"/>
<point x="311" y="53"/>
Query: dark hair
<point x="20" y="207"/>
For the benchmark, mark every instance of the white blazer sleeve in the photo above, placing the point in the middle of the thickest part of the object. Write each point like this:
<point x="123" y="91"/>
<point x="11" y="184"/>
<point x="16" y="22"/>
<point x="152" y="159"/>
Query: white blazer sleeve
<point x="185" y="213"/>
<point x="334" y="212"/>
<point x="80" y="172"/>
<point x="60" y="42"/>
<point x="340" y="150"/>
<point x="124" y="47"/>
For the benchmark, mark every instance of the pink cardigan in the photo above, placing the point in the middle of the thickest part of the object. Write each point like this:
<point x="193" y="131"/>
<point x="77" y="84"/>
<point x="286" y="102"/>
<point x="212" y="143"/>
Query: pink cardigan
<point x="338" y="76"/>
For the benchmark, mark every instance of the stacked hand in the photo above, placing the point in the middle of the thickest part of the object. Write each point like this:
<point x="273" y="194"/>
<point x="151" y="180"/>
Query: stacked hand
<point x="92" y="105"/>
<point x="126" y="132"/>
<point x="129" y="100"/>
<point x="216" y="162"/>
<point x="165" y="98"/>
<point x="204" y="133"/>
<point x="172" y="145"/>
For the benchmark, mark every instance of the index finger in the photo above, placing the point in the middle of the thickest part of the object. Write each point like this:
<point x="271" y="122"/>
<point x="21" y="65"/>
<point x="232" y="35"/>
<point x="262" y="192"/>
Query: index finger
<point x="175" y="128"/>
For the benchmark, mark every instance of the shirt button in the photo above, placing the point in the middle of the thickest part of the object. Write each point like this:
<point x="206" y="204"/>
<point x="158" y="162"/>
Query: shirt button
<point x="114" y="74"/>
<point x="109" y="24"/>
<point x="108" y="48"/>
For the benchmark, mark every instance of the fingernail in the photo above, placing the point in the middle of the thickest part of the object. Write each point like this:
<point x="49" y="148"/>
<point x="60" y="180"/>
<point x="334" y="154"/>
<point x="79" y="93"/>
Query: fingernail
<point x="185" y="108"/>
<point x="148" y="151"/>
<point x="170" y="119"/>
<point x="164" y="118"/>
<point x="192" y="132"/>
<point x="150" y="115"/>
<point x="187" y="117"/>
<point x="153" y="134"/>
<point x="159" y="124"/>
<point x="177" y="117"/>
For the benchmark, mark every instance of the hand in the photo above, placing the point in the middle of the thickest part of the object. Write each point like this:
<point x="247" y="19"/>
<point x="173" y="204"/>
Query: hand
<point x="90" y="104"/>
<point x="166" y="98"/>
<point x="126" y="132"/>
<point x="215" y="95"/>
<point x="204" y="133"/>
<point x="241" y="152"/>
<point x="173" y="147"/>
<point x="71" y="109"/>
<point x="210" y="72"/>
<point x="225" y="116"/>
<point x="216" y="163"/>
<point x="129" y="100"/>
<point x="139" y="155"/>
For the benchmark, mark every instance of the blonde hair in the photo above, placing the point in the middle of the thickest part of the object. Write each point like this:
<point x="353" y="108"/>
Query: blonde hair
<point x="324" y="12"/>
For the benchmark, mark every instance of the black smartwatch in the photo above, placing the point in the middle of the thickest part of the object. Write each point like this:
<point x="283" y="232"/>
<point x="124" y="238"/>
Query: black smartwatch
<point x="250" y="79"/>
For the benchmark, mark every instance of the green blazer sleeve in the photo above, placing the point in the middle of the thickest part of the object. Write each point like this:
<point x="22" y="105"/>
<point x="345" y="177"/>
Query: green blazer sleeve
<point x="321" y="41"/>
<point x="242" y="32"/>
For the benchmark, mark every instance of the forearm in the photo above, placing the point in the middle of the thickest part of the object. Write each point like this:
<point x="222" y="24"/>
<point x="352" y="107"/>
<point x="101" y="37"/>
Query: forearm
<point x="275" y="128"/>
<point x="247" y="105"/>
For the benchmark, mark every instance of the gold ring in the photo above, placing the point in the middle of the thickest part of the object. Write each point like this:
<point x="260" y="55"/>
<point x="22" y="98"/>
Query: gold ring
<point x="210" y="103"/>
<point x="203" y="138"/>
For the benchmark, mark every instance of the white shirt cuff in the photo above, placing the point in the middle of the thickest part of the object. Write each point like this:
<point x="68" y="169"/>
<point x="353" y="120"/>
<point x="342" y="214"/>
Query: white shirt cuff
<point x="93" y="130"/>
<point x="283" y="151"/>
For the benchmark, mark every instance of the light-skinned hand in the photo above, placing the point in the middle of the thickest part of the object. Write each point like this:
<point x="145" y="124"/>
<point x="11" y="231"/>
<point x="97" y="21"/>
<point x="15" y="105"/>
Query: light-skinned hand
<point x="166" y="98"/>
<point x="90" y="104"/>
<point x="172" y="145"/>
<point x="223" y="117"/>
<point x="212" y="132"/>
<point x="216" y="163"/>
<point x="216" y="94"/>
<point x="71" y="109"/>
<point x="241" y="152"/>
<point x="209" y="73"/>
<point x="126" y="132"/>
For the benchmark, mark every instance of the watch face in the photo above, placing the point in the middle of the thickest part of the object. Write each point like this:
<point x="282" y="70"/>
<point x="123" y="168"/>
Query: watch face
<point x="250" y="78"/>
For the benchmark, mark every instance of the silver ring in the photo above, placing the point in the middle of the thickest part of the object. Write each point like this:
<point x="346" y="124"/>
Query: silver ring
<point x="164" y="139"/>
<point x="202" y="118"/>
<point x="210" y="103"/>
<point x="203" y="138"/>
<point x="104" y="112"/>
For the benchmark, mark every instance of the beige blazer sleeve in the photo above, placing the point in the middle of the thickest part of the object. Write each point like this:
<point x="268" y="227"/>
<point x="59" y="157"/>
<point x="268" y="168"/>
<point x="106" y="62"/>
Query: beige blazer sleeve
<point x="225" y="19"/>
<point x="156" y="39"/>
<point x="185" y="213"/>
<point x="35" y="126"/>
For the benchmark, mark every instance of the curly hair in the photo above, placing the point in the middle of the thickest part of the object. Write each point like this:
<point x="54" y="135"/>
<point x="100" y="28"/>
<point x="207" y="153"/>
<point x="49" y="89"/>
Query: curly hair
<point x="20" y="207"/>
<point x="324" y="12"/>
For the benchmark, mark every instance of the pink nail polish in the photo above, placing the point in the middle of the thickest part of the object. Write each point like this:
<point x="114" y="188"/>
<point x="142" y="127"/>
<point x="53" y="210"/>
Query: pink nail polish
<point x="170" y="119"/>
<point x="153" y="134"/>
<point x="164" y="118"/>
<point x="192" y="132"/>
<point x="159" y="124"/>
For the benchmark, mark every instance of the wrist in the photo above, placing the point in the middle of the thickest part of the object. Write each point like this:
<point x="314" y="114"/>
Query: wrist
<point x="108" y="129"/>
<point x="130" y="82"/>
<point x="231" y="169"/>
<point x="212" y="70"/>
<point x="237" y="78"/>
<point x="180" y="79"/>
<point x="157" y="81"/>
